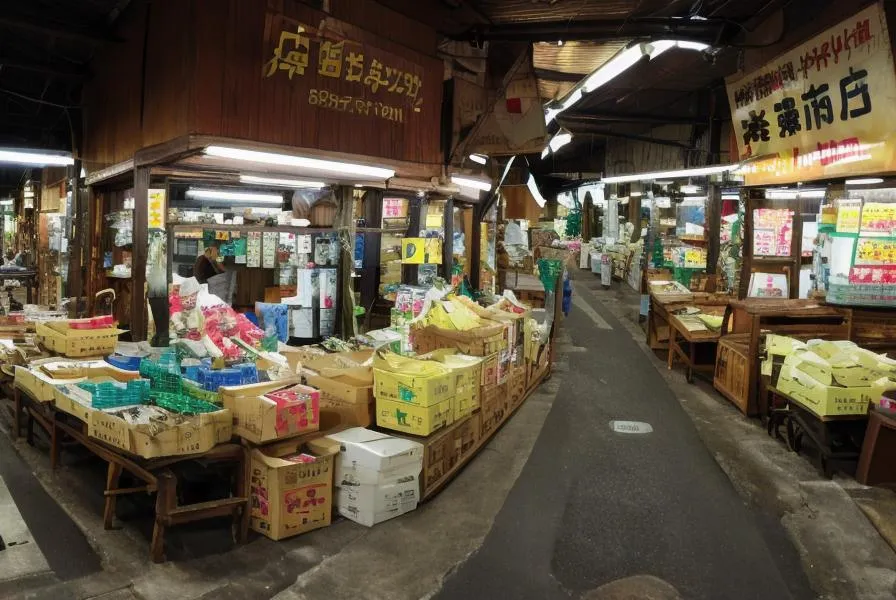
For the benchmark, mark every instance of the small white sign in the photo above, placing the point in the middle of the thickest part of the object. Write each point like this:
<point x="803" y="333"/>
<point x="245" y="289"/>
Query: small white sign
<point x="630" y="427"/>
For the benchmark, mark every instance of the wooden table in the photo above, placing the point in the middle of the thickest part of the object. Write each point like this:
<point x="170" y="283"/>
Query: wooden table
<point x="678" y="331"/>
<point x="155" y="474"/>
<point x="27" y="277"/>
<point x="527" y="288"/>
<point x="662" y="305"/>
<point x="799" y="318"/>
<point x="838" y="438"/>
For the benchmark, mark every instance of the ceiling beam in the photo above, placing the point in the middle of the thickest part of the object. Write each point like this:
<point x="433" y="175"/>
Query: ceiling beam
<point x="56" y="70"/>
<point x="571" y="120"/>
<point x="639" y="138"/>
<point x="52" y="30"/>
<point x="552" y="75"/>
<point x="707" y="30"/>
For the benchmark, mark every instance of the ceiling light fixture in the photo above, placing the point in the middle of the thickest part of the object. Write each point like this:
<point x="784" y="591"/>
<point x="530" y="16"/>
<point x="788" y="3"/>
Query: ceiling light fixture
<point x="235" y="196"/>
<point x="730" y="196"/>
<point x="559" y="42"/>
<point x="469" y="182"/>
<point x="291" y="183"/>
<point x="868" y="181"/>
<point x="479" y="158"/>
<point x="635" y="194"/>
<point x="35" y="158"/>
<point x="288" y="160"/>
<point x="697" y="172"/>
<point x="622" y="61"/>
<point x="690" y="189"/>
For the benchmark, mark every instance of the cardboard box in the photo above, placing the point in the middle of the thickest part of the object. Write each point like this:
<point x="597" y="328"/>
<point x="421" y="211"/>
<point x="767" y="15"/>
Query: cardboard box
<point x="468" y="370"/>
<point x="377" y="475"/>
<point x="410" y="381"/>
<point x="412" y="419"/>
<point x="289" y="498"/>
<point x="259" y="419"/>
<point x="71" y="369"/>
<point x="494" y="409"/>
<point x="829" y="400"/>
<point x="182" y="435"/>
<point x="372" y="504"/>
<point x="374" y="450"/>
<point x="490" y="369"/>
<point x="71" y="399"/>
<point x="57" y="336"/>
<point x="444" y="452"/>
<point x="38" y="385"/>
<point x="346" y="391"/>
<point x="516" y="386"/>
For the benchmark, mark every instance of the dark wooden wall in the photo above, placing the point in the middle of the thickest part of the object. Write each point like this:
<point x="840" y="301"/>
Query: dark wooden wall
<point x="234" y="40"/>
<point x="195" y="66"/>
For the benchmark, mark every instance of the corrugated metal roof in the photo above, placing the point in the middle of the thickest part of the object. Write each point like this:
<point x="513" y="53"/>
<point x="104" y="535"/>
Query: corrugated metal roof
<point x="574" y="57"/>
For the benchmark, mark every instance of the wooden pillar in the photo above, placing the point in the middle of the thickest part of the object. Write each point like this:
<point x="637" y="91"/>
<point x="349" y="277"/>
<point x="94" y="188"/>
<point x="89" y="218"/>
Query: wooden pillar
<point x="714" y="227"/>
<point x="76" y="247"/>
<point x="138" y="255"/>
<point x="345" y="217"/>
<point x="373" y="217"/>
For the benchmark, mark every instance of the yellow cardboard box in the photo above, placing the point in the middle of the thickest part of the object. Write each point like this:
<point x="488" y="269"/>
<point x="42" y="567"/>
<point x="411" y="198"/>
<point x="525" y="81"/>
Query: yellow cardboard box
<point x="37" y="384"/>
<point x="73" y="400"/>
<point x="289" y="497"/>
<point x="421" y="383"/>
<point x="829" y="400"/>
<point x="412" y="419"/>
<point x="77" y="342"/>
<point x="468" y="370"/>
<point x="259" y="419"/>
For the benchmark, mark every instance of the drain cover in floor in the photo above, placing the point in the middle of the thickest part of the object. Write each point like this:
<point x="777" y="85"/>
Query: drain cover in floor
<point x="630" y="427"/>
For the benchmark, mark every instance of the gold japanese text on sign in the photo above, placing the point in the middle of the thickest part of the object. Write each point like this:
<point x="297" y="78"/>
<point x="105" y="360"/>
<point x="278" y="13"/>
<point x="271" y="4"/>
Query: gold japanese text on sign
<point x="305" y="52"/>
<point x="821" y="110"/>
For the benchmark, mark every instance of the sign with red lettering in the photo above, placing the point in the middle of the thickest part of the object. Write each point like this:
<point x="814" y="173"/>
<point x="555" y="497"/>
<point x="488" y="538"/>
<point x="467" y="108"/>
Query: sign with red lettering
<point x="820" y="110"/>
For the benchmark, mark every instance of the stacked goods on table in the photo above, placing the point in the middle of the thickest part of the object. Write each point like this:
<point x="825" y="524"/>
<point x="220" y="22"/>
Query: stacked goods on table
<point x="79" y="337"/>
<point x="829" y="378"/>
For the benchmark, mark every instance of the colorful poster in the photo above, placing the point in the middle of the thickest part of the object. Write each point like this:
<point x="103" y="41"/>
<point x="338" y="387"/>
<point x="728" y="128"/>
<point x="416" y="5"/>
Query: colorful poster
<point x="820" y="110"/>
<point x="848" y="214"/>
<point x="157" y="208"/>
<point x="772" y="232"/>
<point x="878" y="219"/>
<point x="871" y="251"/>
<point x="876" y="275"/>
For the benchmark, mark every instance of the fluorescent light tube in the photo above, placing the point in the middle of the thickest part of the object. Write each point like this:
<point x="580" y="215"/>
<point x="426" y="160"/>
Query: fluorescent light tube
<point x="35" y="158"/>
<point x="868" y="181"/>
<point x="288" y="160"/>
<point x="730" y="196"/>
<point x="479" y="158"/>
<point x="235" y="196"/>
<point x="698" y="172"/>
<point x="690" y="189"/>
<point x="469" y="182"/>
<point x="291" y="183"/>
<point x="635" y="194"/>
<point x="623" y="61"/>
<point x="6" y="202"/>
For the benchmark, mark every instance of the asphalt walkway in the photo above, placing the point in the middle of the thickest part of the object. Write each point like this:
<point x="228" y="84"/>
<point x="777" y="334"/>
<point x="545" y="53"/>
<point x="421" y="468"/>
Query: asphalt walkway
<point x="593" y="506"/>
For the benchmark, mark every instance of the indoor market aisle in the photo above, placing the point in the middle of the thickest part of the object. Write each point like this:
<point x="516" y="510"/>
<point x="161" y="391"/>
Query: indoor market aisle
<point x="593" y="506"/>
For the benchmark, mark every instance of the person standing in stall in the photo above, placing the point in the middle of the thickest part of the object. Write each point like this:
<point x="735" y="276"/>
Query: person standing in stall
<point x="207" y="265"/>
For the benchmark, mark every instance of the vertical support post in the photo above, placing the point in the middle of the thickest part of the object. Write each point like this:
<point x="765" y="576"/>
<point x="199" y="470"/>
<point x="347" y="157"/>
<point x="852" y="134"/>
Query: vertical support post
<point x="373" y="217"/>
<point x="76" y="248"/>
<point x="90" y="249"/>
<point x="476" y="246"/>
<point x="714" y="226"/>
<point x="345" y="219"/>
<point x="138" y="256"/>
<point x="448" y="244"/>
<point x="416" y="206"/>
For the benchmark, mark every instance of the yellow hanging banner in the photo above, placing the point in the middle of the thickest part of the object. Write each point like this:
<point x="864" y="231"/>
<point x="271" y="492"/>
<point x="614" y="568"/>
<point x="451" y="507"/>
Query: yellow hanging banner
<point x="821" y="110"/>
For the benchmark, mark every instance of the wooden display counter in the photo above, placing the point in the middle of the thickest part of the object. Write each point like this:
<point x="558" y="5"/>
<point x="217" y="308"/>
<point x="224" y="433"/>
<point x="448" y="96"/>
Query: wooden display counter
<point x="803" y="319"/>
<point x="662" y="305"/>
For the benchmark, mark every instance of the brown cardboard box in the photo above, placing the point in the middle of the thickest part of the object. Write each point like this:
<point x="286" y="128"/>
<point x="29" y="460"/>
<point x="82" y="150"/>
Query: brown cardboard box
<point x="346" y="389"/>
<point x="37" y="384"/>
<point x="516" y="386"/>
<point x="183" y="435"/>
<point x="494" y="408"/>
<point x="289" y="498"/>
<point x="260" y="420"/>
<point x="445" y="450"/>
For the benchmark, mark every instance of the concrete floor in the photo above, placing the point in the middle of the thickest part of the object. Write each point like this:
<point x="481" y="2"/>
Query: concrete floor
<point x="556" y="506"/>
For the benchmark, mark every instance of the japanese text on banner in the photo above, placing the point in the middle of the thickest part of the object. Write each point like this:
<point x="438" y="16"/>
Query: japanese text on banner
<point x="819" y="110"/>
